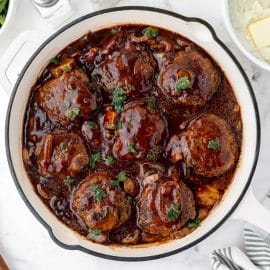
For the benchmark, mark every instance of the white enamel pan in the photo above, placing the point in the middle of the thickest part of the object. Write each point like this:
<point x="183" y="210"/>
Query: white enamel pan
<point x="238" y="201"/>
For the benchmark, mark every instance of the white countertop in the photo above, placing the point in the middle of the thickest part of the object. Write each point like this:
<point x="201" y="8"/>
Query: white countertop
<point x="25" y="243"/>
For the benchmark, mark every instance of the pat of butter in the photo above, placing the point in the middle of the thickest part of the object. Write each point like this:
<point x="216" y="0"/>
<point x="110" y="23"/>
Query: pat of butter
<point x="260" y="32"/>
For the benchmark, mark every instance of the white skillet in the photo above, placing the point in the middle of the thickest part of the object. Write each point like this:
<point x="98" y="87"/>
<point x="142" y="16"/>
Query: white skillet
<point x="238" y="200"/>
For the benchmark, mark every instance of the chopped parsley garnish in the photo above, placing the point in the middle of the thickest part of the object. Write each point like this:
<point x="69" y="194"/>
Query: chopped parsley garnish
<point x="91" y="124"/>
<point x="72" y="113"/>
<point x="174" y="212"/>
<point x="62" y="147"/>
<point x="109" y="160"/>
<point x="193" y="223"/>
<point x="122" y="177"/>
<point x="130" y="199"/>
<point x="152" y="103"/>
<point x="111" y="126"/>
<point x="94" y="232"/>
<point x="214" y="144"/>
<point x="69" y="180"/>
<point x="66" y="69"/>
<point x="55" y="61"/>
<point x="100" y="194"/>
<point x="131" y="148"/>
<point x="151" y="154"/>
<point x="115" y="182"/>
<point x="93" y="159"/>
<point x="183" y="83"/>
<point x="119" y="124"/>
<point x="66" y="103"/>
<point x="118" y="98"/>
<point x="150" y="32"/>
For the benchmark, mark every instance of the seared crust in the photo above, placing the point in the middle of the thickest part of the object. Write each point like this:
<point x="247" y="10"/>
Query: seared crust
<point x="132" y="70"/>
<point x="195" y="143"/>
<point x="156" y="200"/>
<point x="104" y="214"/>
<point x="61" y="153"/>
<point x="204" y="76"/>
<point x="142" y="133"/>
<point x="71" y="90"/>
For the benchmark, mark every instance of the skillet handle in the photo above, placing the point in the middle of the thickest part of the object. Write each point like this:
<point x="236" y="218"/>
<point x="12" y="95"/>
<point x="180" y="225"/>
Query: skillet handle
<point x="251" y="210"/>
<point x="16" y="57"/>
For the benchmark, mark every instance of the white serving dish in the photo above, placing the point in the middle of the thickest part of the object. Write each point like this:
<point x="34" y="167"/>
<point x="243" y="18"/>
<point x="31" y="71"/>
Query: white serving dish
<point x="199" y="32"/>
<point x="241" y="43"/>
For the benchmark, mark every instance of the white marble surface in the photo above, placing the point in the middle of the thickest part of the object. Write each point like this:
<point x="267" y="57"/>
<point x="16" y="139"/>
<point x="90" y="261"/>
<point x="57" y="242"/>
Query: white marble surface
<point x="25" y="243"/>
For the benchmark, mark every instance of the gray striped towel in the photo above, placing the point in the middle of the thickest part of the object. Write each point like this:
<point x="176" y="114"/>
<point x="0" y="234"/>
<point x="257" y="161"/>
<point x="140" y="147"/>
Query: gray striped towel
<point x="256" y="256"/>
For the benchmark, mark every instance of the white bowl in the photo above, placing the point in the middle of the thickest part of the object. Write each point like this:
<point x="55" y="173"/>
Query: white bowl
<point x="10" y="16"/>
<point x="242" y="44"/>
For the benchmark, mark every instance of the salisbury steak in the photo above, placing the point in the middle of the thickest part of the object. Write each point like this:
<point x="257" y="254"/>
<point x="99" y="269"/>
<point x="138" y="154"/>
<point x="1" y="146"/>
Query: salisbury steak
<point x="61" y="153"/>
<point x="165" y="205"/>
<point x="130" y="69"/>
<point x="191" y="79"/>
<point x="142" y="132"/>
<point x="69" y="97"/>
<point x="100" y="204"/>
<point x="208" y="146"/>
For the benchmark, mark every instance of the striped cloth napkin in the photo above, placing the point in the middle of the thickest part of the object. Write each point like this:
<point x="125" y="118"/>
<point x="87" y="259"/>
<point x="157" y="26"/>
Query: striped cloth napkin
<point x="256" y="257"/>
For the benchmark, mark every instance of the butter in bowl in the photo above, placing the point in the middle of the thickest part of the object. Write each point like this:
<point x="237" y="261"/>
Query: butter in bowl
<point x="248" y="22"/>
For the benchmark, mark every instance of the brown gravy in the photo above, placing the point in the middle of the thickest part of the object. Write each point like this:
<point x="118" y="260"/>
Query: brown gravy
<point x="58" y="195"/>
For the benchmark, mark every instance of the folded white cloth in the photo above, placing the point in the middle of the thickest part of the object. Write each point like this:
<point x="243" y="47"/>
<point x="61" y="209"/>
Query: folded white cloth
<point x="256" y="256"/>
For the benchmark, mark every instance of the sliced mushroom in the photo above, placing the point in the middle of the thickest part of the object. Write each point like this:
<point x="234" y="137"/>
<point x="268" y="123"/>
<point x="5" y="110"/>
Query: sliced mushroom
<point x="132" y="238"/>
<point x="131" y="187"/>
